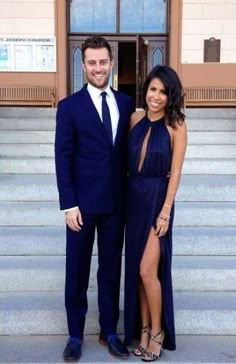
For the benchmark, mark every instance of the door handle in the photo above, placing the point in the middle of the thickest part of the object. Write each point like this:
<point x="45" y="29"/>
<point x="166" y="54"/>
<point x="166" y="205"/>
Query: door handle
<point x="115" y="82"/>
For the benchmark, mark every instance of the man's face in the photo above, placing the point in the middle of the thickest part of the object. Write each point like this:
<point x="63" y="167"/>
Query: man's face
<point x="97" y="67"/>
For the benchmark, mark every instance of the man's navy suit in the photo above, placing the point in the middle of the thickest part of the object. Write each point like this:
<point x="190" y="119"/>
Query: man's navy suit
<point x="91" y="174"/>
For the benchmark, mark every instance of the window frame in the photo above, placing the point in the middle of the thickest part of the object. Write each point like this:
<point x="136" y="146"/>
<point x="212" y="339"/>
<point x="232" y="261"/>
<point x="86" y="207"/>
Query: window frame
<point x="117" y="17"/>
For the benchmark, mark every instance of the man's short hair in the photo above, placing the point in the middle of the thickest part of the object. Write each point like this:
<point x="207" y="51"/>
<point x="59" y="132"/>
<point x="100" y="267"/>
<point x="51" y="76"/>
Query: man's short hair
<point x="96" y="42"/>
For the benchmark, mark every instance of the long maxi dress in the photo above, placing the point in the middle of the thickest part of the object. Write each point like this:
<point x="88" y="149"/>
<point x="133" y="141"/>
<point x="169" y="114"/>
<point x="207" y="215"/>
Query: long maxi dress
<point x="146" y="195"/>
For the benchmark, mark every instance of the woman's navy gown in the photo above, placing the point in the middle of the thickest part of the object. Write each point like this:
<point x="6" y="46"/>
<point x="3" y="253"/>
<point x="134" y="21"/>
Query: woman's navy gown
<point x="146" y="195"/>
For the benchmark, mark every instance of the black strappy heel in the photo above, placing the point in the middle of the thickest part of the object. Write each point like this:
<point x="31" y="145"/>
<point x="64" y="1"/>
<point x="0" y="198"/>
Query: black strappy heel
<point x="140" y="350"/>
<point x="148" y="355"/>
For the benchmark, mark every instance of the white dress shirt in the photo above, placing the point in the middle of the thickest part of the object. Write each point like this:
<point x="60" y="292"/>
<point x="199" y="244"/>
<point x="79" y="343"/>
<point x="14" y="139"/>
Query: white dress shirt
<point x="96" y="97"/>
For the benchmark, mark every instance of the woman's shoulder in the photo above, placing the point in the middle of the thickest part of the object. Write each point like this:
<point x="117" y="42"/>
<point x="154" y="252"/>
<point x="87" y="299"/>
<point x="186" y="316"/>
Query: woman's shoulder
<point x="180" y="127"/>
<point x="136" y="117"/>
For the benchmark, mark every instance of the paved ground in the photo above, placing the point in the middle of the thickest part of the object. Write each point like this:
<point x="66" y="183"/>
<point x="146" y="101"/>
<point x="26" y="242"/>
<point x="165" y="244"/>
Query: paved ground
<point x="48" y="350"/>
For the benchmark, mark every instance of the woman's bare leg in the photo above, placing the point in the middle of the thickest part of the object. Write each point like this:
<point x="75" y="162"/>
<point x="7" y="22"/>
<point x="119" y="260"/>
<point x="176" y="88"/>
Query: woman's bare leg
<point x="145" y="316"/>
<point x="149" y="276"/>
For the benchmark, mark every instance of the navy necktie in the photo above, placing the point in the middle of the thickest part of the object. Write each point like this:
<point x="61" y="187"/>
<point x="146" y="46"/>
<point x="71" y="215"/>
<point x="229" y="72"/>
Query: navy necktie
<point x="106" y="117"/>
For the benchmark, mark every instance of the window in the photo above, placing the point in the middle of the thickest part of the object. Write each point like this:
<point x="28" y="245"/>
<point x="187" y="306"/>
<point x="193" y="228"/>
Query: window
<point x="93" y="16"/>
<point x="143" y="16"/>
<point x="136" y="16"/>
<point x="157" y="57"/>
<point x="77" y="70"/>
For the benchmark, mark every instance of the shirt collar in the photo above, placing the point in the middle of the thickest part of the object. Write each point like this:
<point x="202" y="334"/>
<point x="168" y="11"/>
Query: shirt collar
<point x="96" y="92"/>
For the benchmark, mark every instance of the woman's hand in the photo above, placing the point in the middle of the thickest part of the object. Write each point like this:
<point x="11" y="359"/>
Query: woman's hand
<point x="162" y="225"/>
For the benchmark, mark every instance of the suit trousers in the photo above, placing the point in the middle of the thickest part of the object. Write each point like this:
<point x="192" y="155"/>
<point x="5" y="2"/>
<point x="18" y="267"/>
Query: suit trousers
<point x="79" y="247"/>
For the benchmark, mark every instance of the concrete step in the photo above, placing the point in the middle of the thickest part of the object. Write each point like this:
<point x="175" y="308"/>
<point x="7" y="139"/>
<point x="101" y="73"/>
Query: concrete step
<point x="32" y="118"/>
<point x="31" y="214"/>
<point x="27" y="166"/>
<point x="207" y="188"/>
<point x="48" y="349"/>
<point x="36" y="187"/>
<point x="40" y="136"/>
<point x="187" y="214"/>
<point x="193" y="151"/>
<point x="38" y="112"/>
<point x="27" y="112"/>
<point x="50" y="240"/>
<point x="42" y="313"/>
<point x="214" y="112"/>
<point x="27" y="150"/>
<point x="48" y="123"/>
<point x="47" y="166"/>
<point x="27" y="124"/>
<point x="43" y="188"/>
<point x="33" y="241"/>
<point x="204" y="112"/>
<point x="205" y="214"/>
<point x="208" y="166"/>
<point x="47" y="150"/>
<point x="210" y="124"/>
<point x="47" y="273"/>
<point x="204" y="241"/>
<point x="204" y="273"/>
<point x="46" y="136"/>
<point x="205" y="137"/>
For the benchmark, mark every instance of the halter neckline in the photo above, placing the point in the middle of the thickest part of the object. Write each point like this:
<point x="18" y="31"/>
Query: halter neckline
<point x="153" y="121"/>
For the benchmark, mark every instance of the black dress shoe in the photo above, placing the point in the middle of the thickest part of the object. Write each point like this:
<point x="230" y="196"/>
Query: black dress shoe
<point x="72" y="351"/>
<point x="115" y="346"/>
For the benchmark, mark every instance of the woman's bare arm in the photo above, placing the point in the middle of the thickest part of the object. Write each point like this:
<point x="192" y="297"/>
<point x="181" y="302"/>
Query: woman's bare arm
<point x="178" y="152"/>
<point x="179" y="143"/>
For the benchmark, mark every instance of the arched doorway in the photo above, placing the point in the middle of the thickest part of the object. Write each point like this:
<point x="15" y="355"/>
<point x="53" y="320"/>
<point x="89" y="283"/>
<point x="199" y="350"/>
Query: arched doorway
<point x="137" y="31"/>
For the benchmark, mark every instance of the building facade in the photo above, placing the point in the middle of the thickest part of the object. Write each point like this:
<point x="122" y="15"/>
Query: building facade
<point x="40" y="46"/>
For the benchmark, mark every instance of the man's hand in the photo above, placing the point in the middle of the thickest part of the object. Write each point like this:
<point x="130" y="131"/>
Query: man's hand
<point x="74" y="219"/>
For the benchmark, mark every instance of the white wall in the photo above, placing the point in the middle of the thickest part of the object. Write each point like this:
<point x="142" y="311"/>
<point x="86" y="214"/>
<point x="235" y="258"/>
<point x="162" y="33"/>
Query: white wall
<point x="27" y="17"/>
<point x="203" y="19"/>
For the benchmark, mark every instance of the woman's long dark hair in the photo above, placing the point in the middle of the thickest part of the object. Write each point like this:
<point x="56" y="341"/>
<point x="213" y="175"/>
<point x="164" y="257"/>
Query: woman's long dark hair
<point x="174" y="92"/>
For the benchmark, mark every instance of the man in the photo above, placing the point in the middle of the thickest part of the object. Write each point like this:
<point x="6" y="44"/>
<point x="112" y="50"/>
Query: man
<point x="90" y="145"/>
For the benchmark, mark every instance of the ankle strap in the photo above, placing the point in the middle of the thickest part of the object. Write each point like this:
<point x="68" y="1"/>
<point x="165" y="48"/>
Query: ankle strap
<point x="145" y="329"/>
<point x="154" y="337"/>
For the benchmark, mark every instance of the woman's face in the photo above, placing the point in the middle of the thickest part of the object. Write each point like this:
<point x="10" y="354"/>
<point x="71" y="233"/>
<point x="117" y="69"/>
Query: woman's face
<point x="156" y="97"/>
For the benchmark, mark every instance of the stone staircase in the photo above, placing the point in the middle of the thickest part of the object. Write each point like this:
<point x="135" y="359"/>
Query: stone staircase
<point x="32" y="244"/>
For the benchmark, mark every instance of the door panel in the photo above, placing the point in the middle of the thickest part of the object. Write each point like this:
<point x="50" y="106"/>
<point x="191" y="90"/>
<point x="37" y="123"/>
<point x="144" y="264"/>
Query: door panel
<point x="141" y="70"/>
<point x="113" y="81"/>
<point x="150" y="53"/>
<point x="76" y="69"/>
<point x="156" y="53"/>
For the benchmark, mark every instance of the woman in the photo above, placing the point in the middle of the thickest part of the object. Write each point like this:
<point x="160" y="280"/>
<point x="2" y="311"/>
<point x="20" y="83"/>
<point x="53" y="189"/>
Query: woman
<point x="157" y="144"/>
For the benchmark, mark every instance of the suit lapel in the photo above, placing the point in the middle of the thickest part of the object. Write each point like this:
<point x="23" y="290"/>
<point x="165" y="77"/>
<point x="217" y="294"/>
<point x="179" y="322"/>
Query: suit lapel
<point x="92" y="112"/>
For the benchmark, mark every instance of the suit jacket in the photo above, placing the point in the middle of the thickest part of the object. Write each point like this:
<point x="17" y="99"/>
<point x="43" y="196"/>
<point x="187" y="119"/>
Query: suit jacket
<point x="90" y="170"/>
